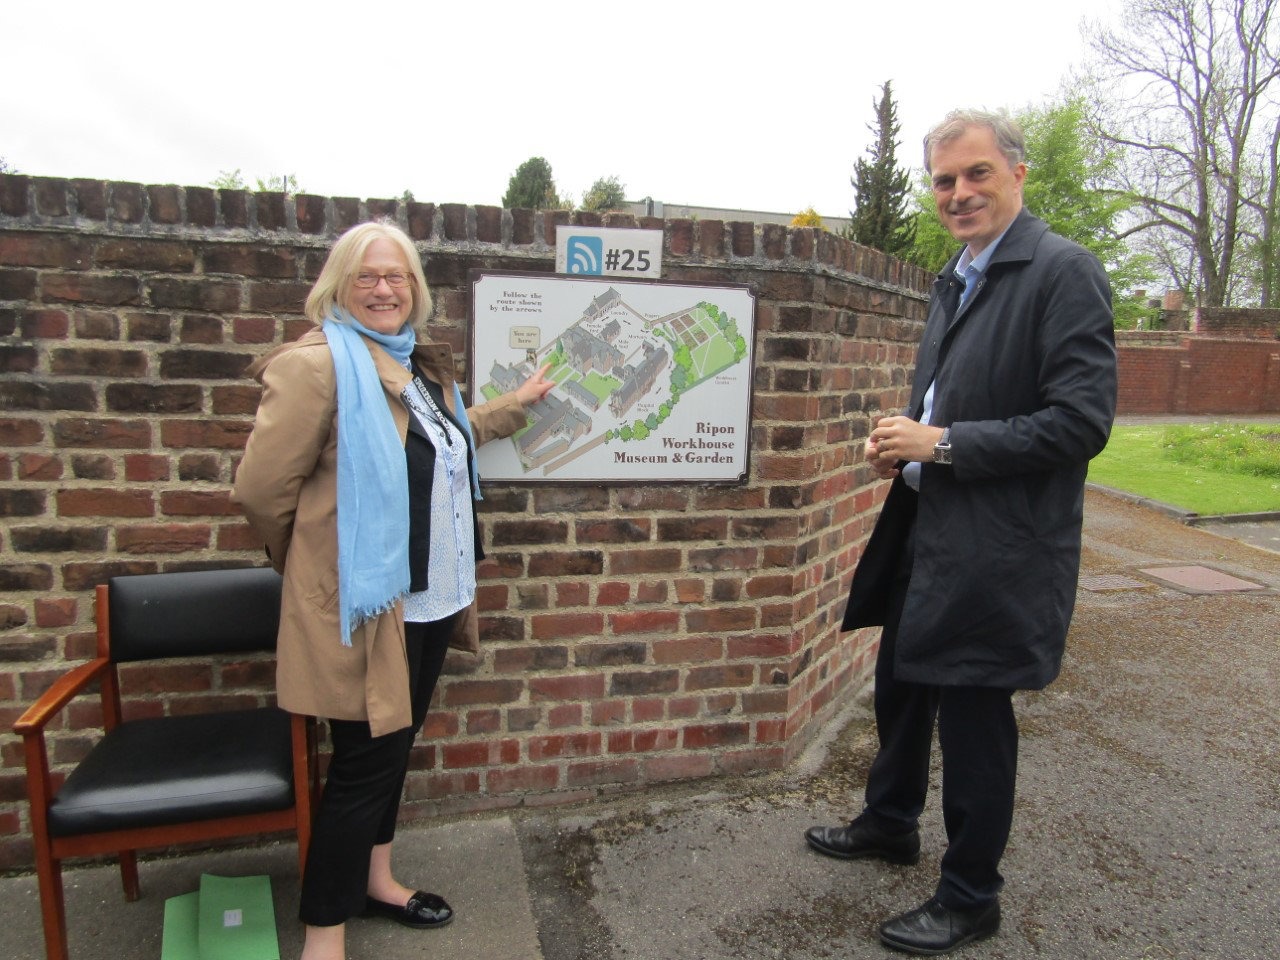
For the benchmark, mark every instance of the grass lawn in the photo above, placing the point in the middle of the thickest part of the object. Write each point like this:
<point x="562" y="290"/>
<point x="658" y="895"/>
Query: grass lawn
<point x="1201" y="469"/>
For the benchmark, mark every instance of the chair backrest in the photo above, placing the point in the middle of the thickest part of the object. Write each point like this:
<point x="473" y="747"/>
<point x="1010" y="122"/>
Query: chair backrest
<point x="194" y="613"/>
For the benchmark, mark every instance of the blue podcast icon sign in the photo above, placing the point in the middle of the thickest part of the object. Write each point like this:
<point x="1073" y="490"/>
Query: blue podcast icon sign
<point x="585" y="255"/>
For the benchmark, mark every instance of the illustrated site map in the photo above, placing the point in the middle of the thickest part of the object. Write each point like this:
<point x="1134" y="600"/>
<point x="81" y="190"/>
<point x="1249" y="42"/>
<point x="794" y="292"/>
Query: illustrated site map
<point x="650" y="378"/>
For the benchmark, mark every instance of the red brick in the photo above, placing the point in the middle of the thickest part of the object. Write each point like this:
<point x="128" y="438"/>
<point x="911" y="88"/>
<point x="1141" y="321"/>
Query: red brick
<point x="523" y="779"/>
<point x="466" y="692"/>
<point x="686" y="767"/>
<point x="613" y="594"/>
<point x="163" y="538"/>
<point x="480" y="753"/>
<point x="16" y="432"/>
<point x="720" y="675"/>
<point x="56" y="612"/>
<point x="648" y="710"/>
<point x="483" y="721"/>
<point x="573" y="594"/>
<point x="197" y="503"/>
<point x="234" y="537"/>
<point x="582" y="687"/>
<point x="145" y="467"/>
<point x="623" y="562"/>
<point x="591" y="773"/>
<point x="709" y="735"/>
<point x="205" y="434"/>
<point x="440" y="724"/>
<point x="690" y="591"/>
<point x="558" y="626"/>
<point x="605" y="712"/>
<point x="680" y="649"/>
<point x="45" y="324"/>
<point x="562" y="745"/>
<point x="720" y="620"/>
<point x="565" y="715"/>
<point x="90" y="288"/>
<point x="645" y="621"/>
<point x="108" y="502"/>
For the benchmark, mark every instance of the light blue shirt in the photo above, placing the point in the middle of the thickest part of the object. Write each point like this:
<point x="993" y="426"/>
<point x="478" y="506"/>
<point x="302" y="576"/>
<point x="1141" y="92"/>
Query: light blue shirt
<point x="969" y="271"/>
<point x="451" y="567"/>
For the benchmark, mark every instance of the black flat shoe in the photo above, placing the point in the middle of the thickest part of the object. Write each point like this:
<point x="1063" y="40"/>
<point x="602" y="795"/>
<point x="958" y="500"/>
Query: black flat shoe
<point x="423" y="910"/>
<point x="932" y="929"/>
<point x="860" y="839"/>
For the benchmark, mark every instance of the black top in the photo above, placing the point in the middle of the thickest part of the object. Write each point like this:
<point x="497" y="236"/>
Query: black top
<point x="420" y="457"/>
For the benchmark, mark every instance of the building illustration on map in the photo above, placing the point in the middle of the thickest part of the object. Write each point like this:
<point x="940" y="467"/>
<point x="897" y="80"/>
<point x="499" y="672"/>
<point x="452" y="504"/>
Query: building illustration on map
<point x="652" y="379"/>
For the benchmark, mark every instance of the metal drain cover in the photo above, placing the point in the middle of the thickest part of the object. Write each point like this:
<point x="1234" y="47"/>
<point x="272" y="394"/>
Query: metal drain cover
<point x="1197" y="579"/>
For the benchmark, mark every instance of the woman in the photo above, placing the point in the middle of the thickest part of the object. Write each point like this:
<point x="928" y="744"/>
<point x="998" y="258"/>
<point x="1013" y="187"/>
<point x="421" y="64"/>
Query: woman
<point x="359" y="475"/>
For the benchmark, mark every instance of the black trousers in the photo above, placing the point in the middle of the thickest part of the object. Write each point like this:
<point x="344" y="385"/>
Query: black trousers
<point x="361" y="797"/>
<point x="978" y="734"/>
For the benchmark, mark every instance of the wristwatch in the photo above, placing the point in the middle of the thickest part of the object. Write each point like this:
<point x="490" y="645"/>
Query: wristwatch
<point x="942" y="449"/>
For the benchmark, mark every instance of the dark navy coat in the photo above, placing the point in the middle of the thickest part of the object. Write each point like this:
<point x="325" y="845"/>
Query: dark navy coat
<point x="1026" y="380"/>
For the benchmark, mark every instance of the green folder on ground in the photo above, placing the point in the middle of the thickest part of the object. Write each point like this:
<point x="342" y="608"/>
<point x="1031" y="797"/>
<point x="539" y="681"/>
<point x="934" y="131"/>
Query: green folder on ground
<point x="181" y="920"/>
<point x="229" y="918"/>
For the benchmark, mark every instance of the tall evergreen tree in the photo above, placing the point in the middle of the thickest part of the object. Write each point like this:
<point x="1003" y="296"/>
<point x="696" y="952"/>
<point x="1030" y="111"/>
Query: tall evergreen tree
<point x="532" y="186"/>
<point x="882" y="191"/>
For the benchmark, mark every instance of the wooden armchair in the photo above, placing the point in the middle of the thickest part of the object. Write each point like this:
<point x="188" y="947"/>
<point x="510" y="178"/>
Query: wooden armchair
<point x="158" y="781"/>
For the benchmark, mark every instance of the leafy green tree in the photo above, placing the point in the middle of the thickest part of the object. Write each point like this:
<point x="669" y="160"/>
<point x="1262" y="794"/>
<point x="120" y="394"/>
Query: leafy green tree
<point x="882" y="217"/>
<point x="605" y="194"/>
<point x="532" y="186"/>
<point x="1067" y="186"/>
<point x="228" y="180"/>
<point x="286" y="183"/>
<point x="280" y="183"/>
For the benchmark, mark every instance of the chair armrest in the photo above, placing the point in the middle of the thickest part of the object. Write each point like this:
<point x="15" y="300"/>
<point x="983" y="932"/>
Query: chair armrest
<point x="70" y="684"/>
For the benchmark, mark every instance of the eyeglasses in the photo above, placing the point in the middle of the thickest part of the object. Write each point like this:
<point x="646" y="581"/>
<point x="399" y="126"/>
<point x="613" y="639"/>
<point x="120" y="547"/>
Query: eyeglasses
<point x="367" y="281"/>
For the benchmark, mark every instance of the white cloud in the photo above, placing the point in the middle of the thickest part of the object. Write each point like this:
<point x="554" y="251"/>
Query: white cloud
<point x="711" y="103"/>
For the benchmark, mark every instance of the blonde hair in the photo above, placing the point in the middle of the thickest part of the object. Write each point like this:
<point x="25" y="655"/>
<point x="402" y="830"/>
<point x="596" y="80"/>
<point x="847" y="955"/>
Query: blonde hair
<point x="343" y="263"/>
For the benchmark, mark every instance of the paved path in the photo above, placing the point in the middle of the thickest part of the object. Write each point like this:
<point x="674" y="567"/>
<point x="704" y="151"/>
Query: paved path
<point x="1147" y="826"/>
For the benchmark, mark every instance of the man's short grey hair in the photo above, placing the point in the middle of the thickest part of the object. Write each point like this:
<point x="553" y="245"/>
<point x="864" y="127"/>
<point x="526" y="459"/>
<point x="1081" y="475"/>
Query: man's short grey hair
<point x="1008" y="134"/>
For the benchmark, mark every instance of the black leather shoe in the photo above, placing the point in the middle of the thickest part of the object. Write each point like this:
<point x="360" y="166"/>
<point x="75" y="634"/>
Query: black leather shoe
<point x="422" y="911"/>
<point x="859" y="839"/>
<point x="932" y="929"/>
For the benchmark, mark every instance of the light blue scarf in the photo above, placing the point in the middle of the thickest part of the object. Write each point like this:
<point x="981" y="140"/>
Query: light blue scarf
<point x="373" y="485"/>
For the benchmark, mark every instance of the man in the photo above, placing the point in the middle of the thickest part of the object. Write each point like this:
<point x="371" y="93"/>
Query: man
<point x="972" y="566"/>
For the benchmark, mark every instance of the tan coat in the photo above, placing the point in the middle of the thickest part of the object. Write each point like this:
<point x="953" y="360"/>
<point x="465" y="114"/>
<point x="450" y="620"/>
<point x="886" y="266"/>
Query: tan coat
<point x="287" y="486"/>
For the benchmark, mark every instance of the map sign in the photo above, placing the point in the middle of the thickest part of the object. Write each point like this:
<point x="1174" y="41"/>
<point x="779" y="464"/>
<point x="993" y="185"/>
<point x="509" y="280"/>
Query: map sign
<point x="653" y="379"/>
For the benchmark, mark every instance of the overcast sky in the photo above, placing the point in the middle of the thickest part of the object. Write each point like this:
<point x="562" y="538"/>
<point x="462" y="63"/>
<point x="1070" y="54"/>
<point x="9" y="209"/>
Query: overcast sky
<point x="745" y="105"/>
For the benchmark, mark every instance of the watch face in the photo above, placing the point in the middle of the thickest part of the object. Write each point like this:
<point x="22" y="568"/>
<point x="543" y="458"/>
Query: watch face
<point x="942" y="454"/>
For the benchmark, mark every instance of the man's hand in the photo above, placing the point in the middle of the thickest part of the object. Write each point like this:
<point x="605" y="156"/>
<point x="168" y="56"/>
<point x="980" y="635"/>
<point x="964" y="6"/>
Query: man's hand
<point x="899" y="438"/>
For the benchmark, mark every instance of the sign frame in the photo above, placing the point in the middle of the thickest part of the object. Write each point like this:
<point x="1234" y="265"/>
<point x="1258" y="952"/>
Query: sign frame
<point x="630" y="358"/>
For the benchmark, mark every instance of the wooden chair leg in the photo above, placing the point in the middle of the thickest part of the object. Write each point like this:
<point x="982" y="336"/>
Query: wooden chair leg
<point x="129" y="875"/>
<point x="53" y="907"/>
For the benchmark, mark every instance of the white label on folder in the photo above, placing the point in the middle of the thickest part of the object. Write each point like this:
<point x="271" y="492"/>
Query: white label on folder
<point x="232" y="918"/>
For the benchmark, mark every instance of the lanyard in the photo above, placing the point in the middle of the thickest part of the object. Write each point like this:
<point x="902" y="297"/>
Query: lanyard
<point x="436" y="412"/>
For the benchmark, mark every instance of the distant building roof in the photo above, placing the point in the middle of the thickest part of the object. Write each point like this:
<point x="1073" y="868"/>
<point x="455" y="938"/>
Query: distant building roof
<point x="680" y="211"/>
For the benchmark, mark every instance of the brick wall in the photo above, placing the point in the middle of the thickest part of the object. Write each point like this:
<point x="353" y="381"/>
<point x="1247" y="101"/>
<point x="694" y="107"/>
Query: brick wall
<point x="1236" y="322"/>
<point x="1164" y="373"/>
<point x="634" y="634"/>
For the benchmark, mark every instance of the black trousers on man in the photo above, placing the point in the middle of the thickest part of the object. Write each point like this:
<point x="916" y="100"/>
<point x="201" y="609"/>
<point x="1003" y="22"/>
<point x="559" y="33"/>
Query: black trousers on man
<point x="361" y="798"/>
<point x="978" y="734"/>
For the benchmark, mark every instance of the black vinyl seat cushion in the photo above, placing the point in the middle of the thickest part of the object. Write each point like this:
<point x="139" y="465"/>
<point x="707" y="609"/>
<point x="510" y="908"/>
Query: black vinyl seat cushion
<point x="165" y="770"/>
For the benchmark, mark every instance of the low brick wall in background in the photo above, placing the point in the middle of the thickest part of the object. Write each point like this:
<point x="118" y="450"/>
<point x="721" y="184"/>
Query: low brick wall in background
<point x="1163" y="373"/>
<point x="633" y="634"/>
